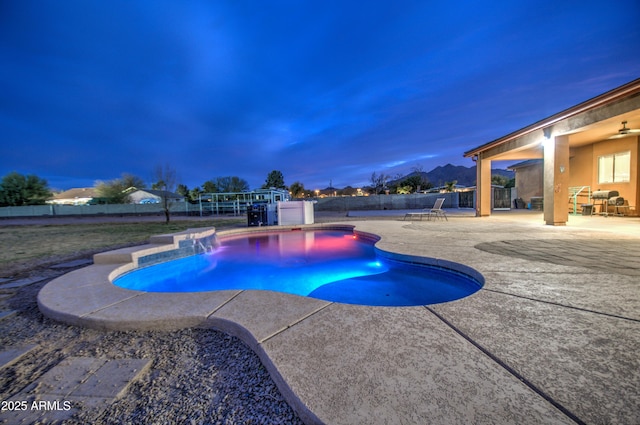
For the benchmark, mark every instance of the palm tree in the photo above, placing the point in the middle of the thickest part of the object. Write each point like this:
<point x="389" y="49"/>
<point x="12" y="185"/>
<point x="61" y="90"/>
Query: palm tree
<point x="450" y="186"/>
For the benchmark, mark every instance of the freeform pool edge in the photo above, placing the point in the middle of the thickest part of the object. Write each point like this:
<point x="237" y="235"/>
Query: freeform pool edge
<point x="86" y="297"/>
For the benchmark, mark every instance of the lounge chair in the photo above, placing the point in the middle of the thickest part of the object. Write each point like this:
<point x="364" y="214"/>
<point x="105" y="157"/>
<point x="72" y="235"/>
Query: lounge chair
<point x="417" y="214"/>
<point x="437" y="210"/>
<point x="428" y="212"/>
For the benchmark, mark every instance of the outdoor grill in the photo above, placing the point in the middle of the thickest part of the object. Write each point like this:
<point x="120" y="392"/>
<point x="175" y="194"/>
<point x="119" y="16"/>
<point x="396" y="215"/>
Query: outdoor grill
<point x="616" y="201"/>
<point x="604" y="194"/>
<point x="606" y="198"/>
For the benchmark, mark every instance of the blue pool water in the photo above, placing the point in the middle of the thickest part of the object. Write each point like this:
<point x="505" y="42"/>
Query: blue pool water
<point x="329" y="265"/>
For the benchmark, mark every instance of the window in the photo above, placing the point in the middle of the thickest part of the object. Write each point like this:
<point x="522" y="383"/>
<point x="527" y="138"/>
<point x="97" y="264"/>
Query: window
<point x="614" y="168"/>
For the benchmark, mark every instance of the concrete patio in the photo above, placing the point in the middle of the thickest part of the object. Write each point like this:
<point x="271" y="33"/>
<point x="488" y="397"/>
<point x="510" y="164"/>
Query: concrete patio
<point x="553" y="336"/>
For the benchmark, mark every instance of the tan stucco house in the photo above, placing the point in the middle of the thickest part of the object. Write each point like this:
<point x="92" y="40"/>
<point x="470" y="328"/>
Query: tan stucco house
<point x="150" y="196"/>
<point x="77" y="196"/>
<point x="595" y="144"/>
<point x="529" y="179"/>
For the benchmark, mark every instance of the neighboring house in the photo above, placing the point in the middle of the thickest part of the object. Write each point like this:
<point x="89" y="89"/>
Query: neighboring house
<point x="529" y="179"/>
<point x="78" y="196"/>
<point x="595" y="144"/>
<point x="446" y="189"/>
<point x="150" y="196"/>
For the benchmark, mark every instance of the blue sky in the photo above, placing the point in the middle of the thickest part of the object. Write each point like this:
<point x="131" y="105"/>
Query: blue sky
<point x="320" y="90"/>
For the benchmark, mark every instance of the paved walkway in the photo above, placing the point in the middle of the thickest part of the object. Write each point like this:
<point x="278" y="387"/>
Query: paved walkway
<point x="553" y="336"/>
<point x="76" y="381"/>
<point x="72" y="384"/>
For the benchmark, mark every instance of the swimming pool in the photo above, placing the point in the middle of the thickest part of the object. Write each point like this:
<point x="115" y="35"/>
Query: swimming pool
<point x="331" y="265"/>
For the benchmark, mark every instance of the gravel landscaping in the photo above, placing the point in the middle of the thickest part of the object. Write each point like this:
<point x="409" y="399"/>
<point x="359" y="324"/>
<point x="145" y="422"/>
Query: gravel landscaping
<point x="197" y="376"/>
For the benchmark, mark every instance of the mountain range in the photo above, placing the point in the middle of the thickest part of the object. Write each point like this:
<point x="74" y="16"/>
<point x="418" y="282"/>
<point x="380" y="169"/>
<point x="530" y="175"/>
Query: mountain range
<point x="465" y="176"/>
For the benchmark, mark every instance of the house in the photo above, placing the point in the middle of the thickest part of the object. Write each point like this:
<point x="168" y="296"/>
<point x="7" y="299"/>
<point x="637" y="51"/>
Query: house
<point x="529" y="181"/>
<point x="594" y="145"/>
<point x="77" y="196"/>
<point x="150" y="196"/>
<point x="446" y="189"/>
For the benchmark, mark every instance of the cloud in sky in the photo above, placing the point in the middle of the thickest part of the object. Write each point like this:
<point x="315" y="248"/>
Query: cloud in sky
<point x="318" y="90"/>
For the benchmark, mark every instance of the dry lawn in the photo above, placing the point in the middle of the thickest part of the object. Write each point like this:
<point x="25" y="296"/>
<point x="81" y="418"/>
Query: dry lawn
<point x="29" y="246"/>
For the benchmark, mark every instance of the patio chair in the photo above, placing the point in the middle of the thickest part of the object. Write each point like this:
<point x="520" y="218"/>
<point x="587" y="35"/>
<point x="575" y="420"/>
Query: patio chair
<point x="428" y="212"/>
<point x="437" y="210"/>
<point x="423" y="213"/>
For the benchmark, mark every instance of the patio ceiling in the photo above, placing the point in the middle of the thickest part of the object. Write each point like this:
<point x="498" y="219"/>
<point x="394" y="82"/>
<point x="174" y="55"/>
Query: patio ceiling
<point x="605" y="129"/>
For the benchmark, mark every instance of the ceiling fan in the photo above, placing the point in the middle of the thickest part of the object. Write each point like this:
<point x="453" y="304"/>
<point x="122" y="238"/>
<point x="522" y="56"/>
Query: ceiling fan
<point x="624" y="131"/>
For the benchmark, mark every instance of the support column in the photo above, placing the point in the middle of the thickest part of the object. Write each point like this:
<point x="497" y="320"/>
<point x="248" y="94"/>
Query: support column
<point x="483" y="187"/>
<point x="556" y="180"/>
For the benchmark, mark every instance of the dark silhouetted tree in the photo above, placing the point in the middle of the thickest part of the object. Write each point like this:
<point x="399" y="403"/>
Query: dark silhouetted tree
<point x="183" y="190"/>
<point x="17" y="190"/>
<point x="297" y="190"/>
<point x="416" y="182"/>
<point x="209" y="187"/>
<point x="166" y="179"/>
<point x="379" y="182"/>
<point x="232" y="184"/>
<point x="450" y="186"/>
<point x="115" y="191"/>
<point x="275" y="179"/>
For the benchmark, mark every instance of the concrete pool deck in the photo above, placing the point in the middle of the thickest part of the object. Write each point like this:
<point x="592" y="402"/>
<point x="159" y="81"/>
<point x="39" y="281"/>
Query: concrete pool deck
<point x="552" y="337"/>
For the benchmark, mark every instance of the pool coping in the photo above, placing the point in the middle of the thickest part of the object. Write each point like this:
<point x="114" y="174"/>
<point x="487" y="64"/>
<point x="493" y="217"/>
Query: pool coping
<point x="87" y="297"/>
<point x="541" y="342"/>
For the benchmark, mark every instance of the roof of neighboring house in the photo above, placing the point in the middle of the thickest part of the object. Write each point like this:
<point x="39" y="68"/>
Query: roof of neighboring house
<point x="526" y="163"/>
<point x="626" y="90"/>
<point x="159" y="193"/>
<point x="81" y="192"/>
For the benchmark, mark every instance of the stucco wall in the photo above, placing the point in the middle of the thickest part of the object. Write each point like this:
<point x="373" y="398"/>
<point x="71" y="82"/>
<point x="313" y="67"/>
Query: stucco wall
<point x="386" y="202"/>
<point x="629" y="191"/>
<point x="580" y="166"/>
<point x="581" y="173"/>
<point x="584" y="167"/>
<point x="529" y="180"/>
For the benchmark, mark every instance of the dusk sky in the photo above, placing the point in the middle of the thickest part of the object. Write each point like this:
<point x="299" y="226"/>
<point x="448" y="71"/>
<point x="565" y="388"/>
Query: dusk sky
<point x="320" y="90"/>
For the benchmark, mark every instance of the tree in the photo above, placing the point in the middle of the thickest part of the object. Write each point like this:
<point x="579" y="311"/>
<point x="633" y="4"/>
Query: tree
<point x="183" y="190"/>
<point x="416" y="182"/>
<point x="17" y="189"/>
<point x="166" y="179"/>
<point x="159" y="185"/>
<point x="194" y="194"/>
<point x="129" y="181"/>
<point x="209" y="187"/>
<point x="423" y="182"/>
<point x="395" y="183"/>
<point x="450" y="186"/>
<point x="499" y="180"/>
<point x="297" y="190"/>
<point x="188" y="194"/>
<point x="379" y="182"/>
<point x="225" y="184"/>
<point x="404" y="190"/>
<point x="231" y="184"/>
<point x="114" y="191"/>
<point x="503" y="181"/>
<point x="275" y="179"/>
